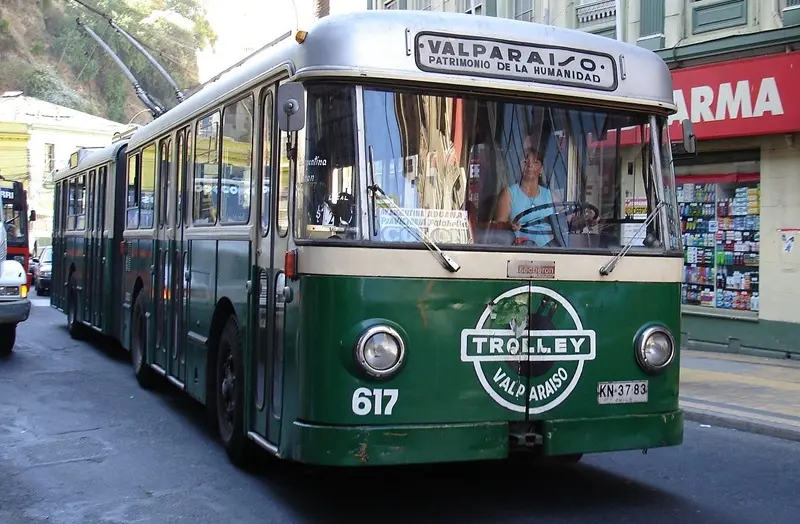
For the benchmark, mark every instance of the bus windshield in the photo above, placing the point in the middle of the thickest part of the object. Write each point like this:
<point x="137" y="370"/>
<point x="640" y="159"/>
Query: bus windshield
<point x="16" y="224"/>
<point x="485" y="171"/>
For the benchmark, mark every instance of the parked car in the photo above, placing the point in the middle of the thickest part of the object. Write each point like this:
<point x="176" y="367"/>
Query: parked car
<point x="42" y="270"/>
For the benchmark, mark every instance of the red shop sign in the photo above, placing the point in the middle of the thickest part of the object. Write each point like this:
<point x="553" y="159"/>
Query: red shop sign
<point x="749" y="97"/>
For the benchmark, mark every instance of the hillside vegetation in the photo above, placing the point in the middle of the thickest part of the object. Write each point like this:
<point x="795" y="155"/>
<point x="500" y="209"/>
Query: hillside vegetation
<point x="45" y="54"/>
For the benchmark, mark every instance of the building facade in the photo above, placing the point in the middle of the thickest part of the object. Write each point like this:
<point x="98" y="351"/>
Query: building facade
<point x="734" y="66"/>
<point x="35" y="138"/>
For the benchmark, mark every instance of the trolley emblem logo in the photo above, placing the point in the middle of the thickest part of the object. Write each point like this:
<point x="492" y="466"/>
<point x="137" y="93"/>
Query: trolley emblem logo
<point x="528" y="349"/>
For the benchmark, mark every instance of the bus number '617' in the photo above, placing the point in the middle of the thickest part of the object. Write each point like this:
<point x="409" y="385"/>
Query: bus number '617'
<point x="384" y="401"/>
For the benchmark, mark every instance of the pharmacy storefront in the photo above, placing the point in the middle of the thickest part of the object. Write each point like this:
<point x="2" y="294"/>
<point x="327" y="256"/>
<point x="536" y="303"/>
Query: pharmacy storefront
<point x="739" y="201"/>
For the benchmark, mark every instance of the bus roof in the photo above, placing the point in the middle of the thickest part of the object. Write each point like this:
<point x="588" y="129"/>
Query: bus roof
<point x="433" y="47"/>
<point x="93" y="158"/>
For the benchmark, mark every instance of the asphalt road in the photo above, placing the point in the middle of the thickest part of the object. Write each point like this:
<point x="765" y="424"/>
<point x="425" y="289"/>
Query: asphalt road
<point x="81" y="443"/>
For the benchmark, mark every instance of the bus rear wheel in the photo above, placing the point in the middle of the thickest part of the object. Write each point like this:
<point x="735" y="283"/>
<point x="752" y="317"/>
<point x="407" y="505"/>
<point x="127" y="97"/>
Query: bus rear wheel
<point x="73" y="326"/>
<point x="228" y="396"/>
<point x="144" y="373"/>
<point x="8" y="336"/>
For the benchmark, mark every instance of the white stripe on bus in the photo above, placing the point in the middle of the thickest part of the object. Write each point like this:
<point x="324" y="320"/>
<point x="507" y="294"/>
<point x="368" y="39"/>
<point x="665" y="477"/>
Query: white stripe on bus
<point x="412" y="263"/>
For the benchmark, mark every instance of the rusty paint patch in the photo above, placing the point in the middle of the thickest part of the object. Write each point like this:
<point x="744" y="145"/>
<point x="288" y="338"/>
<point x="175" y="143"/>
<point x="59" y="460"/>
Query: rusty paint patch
<point x="362" y="454"/>
<point x="421" y="305"/>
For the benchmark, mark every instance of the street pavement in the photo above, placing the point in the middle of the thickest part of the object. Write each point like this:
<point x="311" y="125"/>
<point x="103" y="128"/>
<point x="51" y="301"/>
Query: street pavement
<point x="81" y="443"/>
<point x="756" y="394"/>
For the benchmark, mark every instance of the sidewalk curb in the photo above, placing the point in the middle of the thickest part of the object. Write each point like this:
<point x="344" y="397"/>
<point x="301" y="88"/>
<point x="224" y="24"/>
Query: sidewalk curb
<point x="741" y="424"/>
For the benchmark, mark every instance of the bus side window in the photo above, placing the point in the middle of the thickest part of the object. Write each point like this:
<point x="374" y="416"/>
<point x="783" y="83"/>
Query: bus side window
<point x="132" y="221"/>
<point x="80" y="203"/>
<point x="165" y="150"/>
<point x="71" y="205"/>
<point x="148" y="186"/>
<point x="206" y="171"/>
<point x="180" y="145"/>
<point x="237" y="142"/>
<point x="266" y="159"/>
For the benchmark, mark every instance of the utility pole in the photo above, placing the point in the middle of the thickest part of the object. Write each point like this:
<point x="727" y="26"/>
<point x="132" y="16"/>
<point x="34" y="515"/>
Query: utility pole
<point x="322" y="8"/>
<point x="618" y="19"/>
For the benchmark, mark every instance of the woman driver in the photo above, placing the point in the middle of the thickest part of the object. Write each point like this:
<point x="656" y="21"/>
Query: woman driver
<point x="528" y="193"/>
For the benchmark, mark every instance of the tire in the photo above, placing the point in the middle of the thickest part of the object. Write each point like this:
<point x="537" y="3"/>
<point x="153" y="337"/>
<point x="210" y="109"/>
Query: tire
<point x="144" y="374"/>
<point x="75" y="328"/>
<point x="228" y="397"/>
<point x="8" y="337"/>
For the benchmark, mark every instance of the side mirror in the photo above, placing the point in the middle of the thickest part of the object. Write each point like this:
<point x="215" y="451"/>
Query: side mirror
<point x="689" y="138"/>
<point x="33" y="216"/>
<point x="35" y="260"/>
<point x="291" y="101"/>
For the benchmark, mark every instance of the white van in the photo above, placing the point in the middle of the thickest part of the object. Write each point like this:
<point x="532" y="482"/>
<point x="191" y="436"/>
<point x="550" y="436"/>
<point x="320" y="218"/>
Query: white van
<point x="14" y="303"/>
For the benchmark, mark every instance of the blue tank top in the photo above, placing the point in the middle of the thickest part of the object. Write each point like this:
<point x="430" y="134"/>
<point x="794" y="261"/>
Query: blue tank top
<point x="520" y="202"/>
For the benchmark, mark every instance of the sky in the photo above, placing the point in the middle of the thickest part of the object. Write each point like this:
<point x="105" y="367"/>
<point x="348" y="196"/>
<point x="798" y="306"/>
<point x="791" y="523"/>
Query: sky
<point x="242" y="26"/>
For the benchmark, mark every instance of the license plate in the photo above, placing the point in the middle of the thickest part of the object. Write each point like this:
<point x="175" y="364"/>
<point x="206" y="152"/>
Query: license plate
<point x="623" y="392"/>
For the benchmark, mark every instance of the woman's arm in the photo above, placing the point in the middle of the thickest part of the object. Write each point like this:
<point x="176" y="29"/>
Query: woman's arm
<point x="502" y="213"/>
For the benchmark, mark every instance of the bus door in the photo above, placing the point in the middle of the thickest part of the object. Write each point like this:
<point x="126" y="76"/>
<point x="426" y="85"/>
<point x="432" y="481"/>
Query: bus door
<point x="269" y="300"/>
<point x="177" y="261"/>
<point x="89" y="252"/>
<point x="102" y="246"/>
<point x="162" y="273"/>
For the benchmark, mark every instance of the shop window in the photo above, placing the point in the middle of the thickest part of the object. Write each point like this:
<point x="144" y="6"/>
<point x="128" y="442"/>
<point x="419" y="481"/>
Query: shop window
<point x="720" y="223"/>
<point x="523" y="10"/>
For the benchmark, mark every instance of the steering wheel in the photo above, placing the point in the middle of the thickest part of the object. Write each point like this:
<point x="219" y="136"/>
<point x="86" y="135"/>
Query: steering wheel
<point x="569" y="208"/>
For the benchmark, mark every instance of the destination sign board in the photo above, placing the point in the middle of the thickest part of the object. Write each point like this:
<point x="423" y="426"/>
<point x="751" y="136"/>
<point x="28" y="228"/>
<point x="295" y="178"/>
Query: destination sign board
<point x="485" y="57"/>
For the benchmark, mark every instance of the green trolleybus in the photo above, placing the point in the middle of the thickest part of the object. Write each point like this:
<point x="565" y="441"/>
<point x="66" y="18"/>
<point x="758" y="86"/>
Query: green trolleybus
<point x="398" y="237"/>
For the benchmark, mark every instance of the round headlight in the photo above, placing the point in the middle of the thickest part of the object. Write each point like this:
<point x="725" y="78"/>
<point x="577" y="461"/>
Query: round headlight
<point x="655" y="349"/>
<point x="380" y="351"/>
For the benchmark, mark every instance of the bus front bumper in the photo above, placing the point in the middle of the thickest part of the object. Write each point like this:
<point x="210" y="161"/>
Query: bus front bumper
<point x="14" y="311"/>
<point x="418" y="444"/>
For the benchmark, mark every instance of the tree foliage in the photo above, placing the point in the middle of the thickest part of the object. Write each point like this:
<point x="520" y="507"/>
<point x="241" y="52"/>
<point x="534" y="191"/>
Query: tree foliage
<point x="172" y="31"/>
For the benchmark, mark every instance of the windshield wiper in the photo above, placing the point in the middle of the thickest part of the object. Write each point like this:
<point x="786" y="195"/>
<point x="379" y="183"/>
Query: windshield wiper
<point x="446" y="261"/>
<point x="609" y="266"/>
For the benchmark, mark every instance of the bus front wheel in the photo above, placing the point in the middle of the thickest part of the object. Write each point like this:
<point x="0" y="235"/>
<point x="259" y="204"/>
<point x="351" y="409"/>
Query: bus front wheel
<point x="229" y="396"/>
<point x="8" y="336"/>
